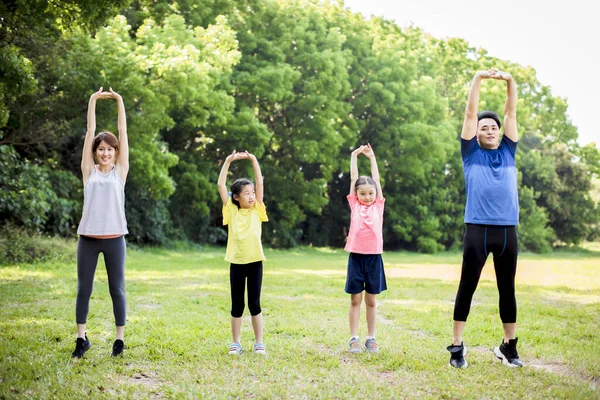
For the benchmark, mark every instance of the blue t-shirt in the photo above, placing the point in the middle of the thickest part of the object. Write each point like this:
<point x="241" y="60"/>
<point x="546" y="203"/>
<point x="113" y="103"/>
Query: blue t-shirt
<point x="491" y="183"/>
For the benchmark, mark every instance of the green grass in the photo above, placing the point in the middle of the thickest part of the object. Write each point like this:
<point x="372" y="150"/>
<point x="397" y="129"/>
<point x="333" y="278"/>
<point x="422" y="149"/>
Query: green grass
<point x="178" y="330"/>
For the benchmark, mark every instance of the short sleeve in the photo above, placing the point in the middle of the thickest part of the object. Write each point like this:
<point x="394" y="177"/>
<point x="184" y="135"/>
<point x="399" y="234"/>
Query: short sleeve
<point x="262" y="211"/>
<point x="352" y="200"/>
<point x="468" y="147"/>
<point x="510" y="145"/>
<point x="227" y="211"/>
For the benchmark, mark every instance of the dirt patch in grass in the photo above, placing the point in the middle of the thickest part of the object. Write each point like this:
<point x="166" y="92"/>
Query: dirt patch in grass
<point x="480" y="350"/>
<point x="444" y="272"/>
<point x="562" y="369"/>
<point x="384" y="320"/>
<point x="146" y="378"/>
<point x="149" y="306"/>
<point x="389" y="377"/>
<point x="556" y="298"/>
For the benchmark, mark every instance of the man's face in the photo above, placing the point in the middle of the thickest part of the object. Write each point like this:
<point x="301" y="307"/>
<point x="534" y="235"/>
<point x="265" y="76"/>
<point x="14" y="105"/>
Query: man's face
<point x="488" y="133"/>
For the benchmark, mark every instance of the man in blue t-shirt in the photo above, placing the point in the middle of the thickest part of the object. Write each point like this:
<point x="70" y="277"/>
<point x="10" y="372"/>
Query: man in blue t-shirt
<point x="491" y="214"/>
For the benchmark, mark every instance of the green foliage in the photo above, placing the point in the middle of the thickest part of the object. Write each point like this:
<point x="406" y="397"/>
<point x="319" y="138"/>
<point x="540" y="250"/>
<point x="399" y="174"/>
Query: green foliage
<point x="167" y="76"/>
<point x="535" y="234"/>
<point x="26" y="194"/>
<point x="18" y="79"/>
<point x="18" y="245"/>
<point x="299" y="83"/>
<point x="29" y="36"/>
<point x="37" y="197"/>
<point x="563" y="187"/>
<point x="148" y="219"/>
<point x="67" y="204"/>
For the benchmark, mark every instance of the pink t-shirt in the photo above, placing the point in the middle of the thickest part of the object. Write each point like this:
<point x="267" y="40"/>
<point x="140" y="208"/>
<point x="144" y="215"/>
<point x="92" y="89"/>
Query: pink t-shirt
<point x="366" y="227"/>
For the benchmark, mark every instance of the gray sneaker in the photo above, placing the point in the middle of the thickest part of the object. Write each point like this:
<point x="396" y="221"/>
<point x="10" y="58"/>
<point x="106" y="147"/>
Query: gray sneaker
<point x="235" y="349"/>
<point x="259" y="348"/>
<point x="354" y="346"/>
<point x="371" y="346"/>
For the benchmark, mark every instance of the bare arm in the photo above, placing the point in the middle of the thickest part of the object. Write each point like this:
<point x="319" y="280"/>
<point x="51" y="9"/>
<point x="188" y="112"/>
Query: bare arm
<point x="510" y="107"/>
<point x="259" y="188"/>
<point x="469" y="129"/>
<point x="222" y="182"/>
<point x="370" y="154"/>
<point x="354" y="167"/>
<point x="87" y="158"/>
<point x="123" y="158"/>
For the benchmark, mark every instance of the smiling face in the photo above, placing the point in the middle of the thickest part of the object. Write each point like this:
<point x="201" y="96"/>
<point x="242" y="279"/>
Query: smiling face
<point x="105" y="154"/>
<point x="488" y="133"/>
<point x="366" y="194"/>
<point x="105" y="149"/>
<point x="246" y="197"/>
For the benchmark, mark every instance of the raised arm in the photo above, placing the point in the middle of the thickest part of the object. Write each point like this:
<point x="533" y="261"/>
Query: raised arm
<point x="87" y="158"/>
<point x="354" y="167"/>
<point x="510" y="107"/>
<point x="122" y="165"/>
<point x="469" y="129"/>
<point x="370" y="154"/>
<point x="222" y="182"/>
<point x="259" y="187"/>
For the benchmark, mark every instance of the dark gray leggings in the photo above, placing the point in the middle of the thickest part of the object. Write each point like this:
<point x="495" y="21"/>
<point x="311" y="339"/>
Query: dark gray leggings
<point x="88" y="250"/>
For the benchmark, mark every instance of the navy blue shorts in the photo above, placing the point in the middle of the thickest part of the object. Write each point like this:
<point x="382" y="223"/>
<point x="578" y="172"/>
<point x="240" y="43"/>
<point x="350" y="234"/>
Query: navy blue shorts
<point x="365" y="272"/>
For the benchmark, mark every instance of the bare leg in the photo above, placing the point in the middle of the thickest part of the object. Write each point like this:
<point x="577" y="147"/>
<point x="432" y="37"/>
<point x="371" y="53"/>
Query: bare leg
<point x="371" y="303"/>
<point x="81" y="331"/>
<point x="236" y="329"/>
<point x="121" y="332"/>
<point x="257" y="326"/>
<point x="457" y="334"/>
<point x="510" y="331"/>
<point x="355" y="302"/>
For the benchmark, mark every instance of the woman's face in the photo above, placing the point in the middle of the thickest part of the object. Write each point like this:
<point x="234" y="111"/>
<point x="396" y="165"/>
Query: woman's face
<point x="105" y="154"/>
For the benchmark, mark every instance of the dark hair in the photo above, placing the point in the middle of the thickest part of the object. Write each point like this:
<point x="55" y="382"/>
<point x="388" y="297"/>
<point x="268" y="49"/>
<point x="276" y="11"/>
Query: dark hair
<point x="236" y="188"/>
<point x="364" y="180"/>
<point x="108" y="138"/>
<point x="489" y="114"/>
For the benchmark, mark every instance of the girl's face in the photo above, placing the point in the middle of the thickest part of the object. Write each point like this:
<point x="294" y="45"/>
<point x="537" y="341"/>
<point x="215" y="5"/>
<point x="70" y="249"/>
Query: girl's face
<point x="366" y="194"/>
<point x="247" y="196"/>
<point x="105" y="154"/>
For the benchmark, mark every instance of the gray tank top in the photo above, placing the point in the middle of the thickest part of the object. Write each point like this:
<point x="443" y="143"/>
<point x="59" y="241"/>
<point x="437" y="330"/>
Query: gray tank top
<point x="103" y="205"/>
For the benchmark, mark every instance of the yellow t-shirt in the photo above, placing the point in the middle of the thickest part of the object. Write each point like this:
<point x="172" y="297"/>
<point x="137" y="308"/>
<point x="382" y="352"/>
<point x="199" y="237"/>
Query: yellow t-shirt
<point x="245" y="228"/>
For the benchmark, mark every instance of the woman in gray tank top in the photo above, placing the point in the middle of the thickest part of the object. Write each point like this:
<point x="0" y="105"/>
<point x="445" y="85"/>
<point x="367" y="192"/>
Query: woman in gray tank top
<point x="104" y="166"/>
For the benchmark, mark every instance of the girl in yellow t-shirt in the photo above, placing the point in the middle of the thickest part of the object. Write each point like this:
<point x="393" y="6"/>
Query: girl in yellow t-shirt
<point x="243" y="213"/>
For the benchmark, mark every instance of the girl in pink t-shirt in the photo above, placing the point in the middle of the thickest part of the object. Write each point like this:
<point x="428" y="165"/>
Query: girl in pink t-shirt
<point x="365" y="244"/>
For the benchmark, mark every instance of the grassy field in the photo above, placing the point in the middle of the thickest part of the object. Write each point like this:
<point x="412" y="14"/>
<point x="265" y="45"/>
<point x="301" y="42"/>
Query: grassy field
<point x="178" y="330"/>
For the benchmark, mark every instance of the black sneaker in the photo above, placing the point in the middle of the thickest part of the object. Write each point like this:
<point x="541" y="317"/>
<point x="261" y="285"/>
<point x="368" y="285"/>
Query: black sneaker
<point x="118" y="346"/>
<point x="507" y="352"/>
<point x="457" y="356"/>
<point x="81" y="346"/>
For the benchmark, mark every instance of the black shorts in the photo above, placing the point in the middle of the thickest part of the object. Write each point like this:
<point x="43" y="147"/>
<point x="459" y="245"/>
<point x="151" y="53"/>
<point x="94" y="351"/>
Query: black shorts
<point x="365" y="272"/>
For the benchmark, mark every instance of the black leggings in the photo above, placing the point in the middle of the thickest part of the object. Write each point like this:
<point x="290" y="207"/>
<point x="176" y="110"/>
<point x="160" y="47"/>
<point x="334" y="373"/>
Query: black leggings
<point x="88" y="250"/>
<point x="480" y="240"/>
<point x="238" y="273"/>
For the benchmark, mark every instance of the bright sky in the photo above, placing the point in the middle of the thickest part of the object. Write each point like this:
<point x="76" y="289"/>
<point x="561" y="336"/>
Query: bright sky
<point x="559" y="39"/>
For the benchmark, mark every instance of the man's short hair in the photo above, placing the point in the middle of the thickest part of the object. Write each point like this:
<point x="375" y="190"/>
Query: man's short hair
<point x="489" y="114"/>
